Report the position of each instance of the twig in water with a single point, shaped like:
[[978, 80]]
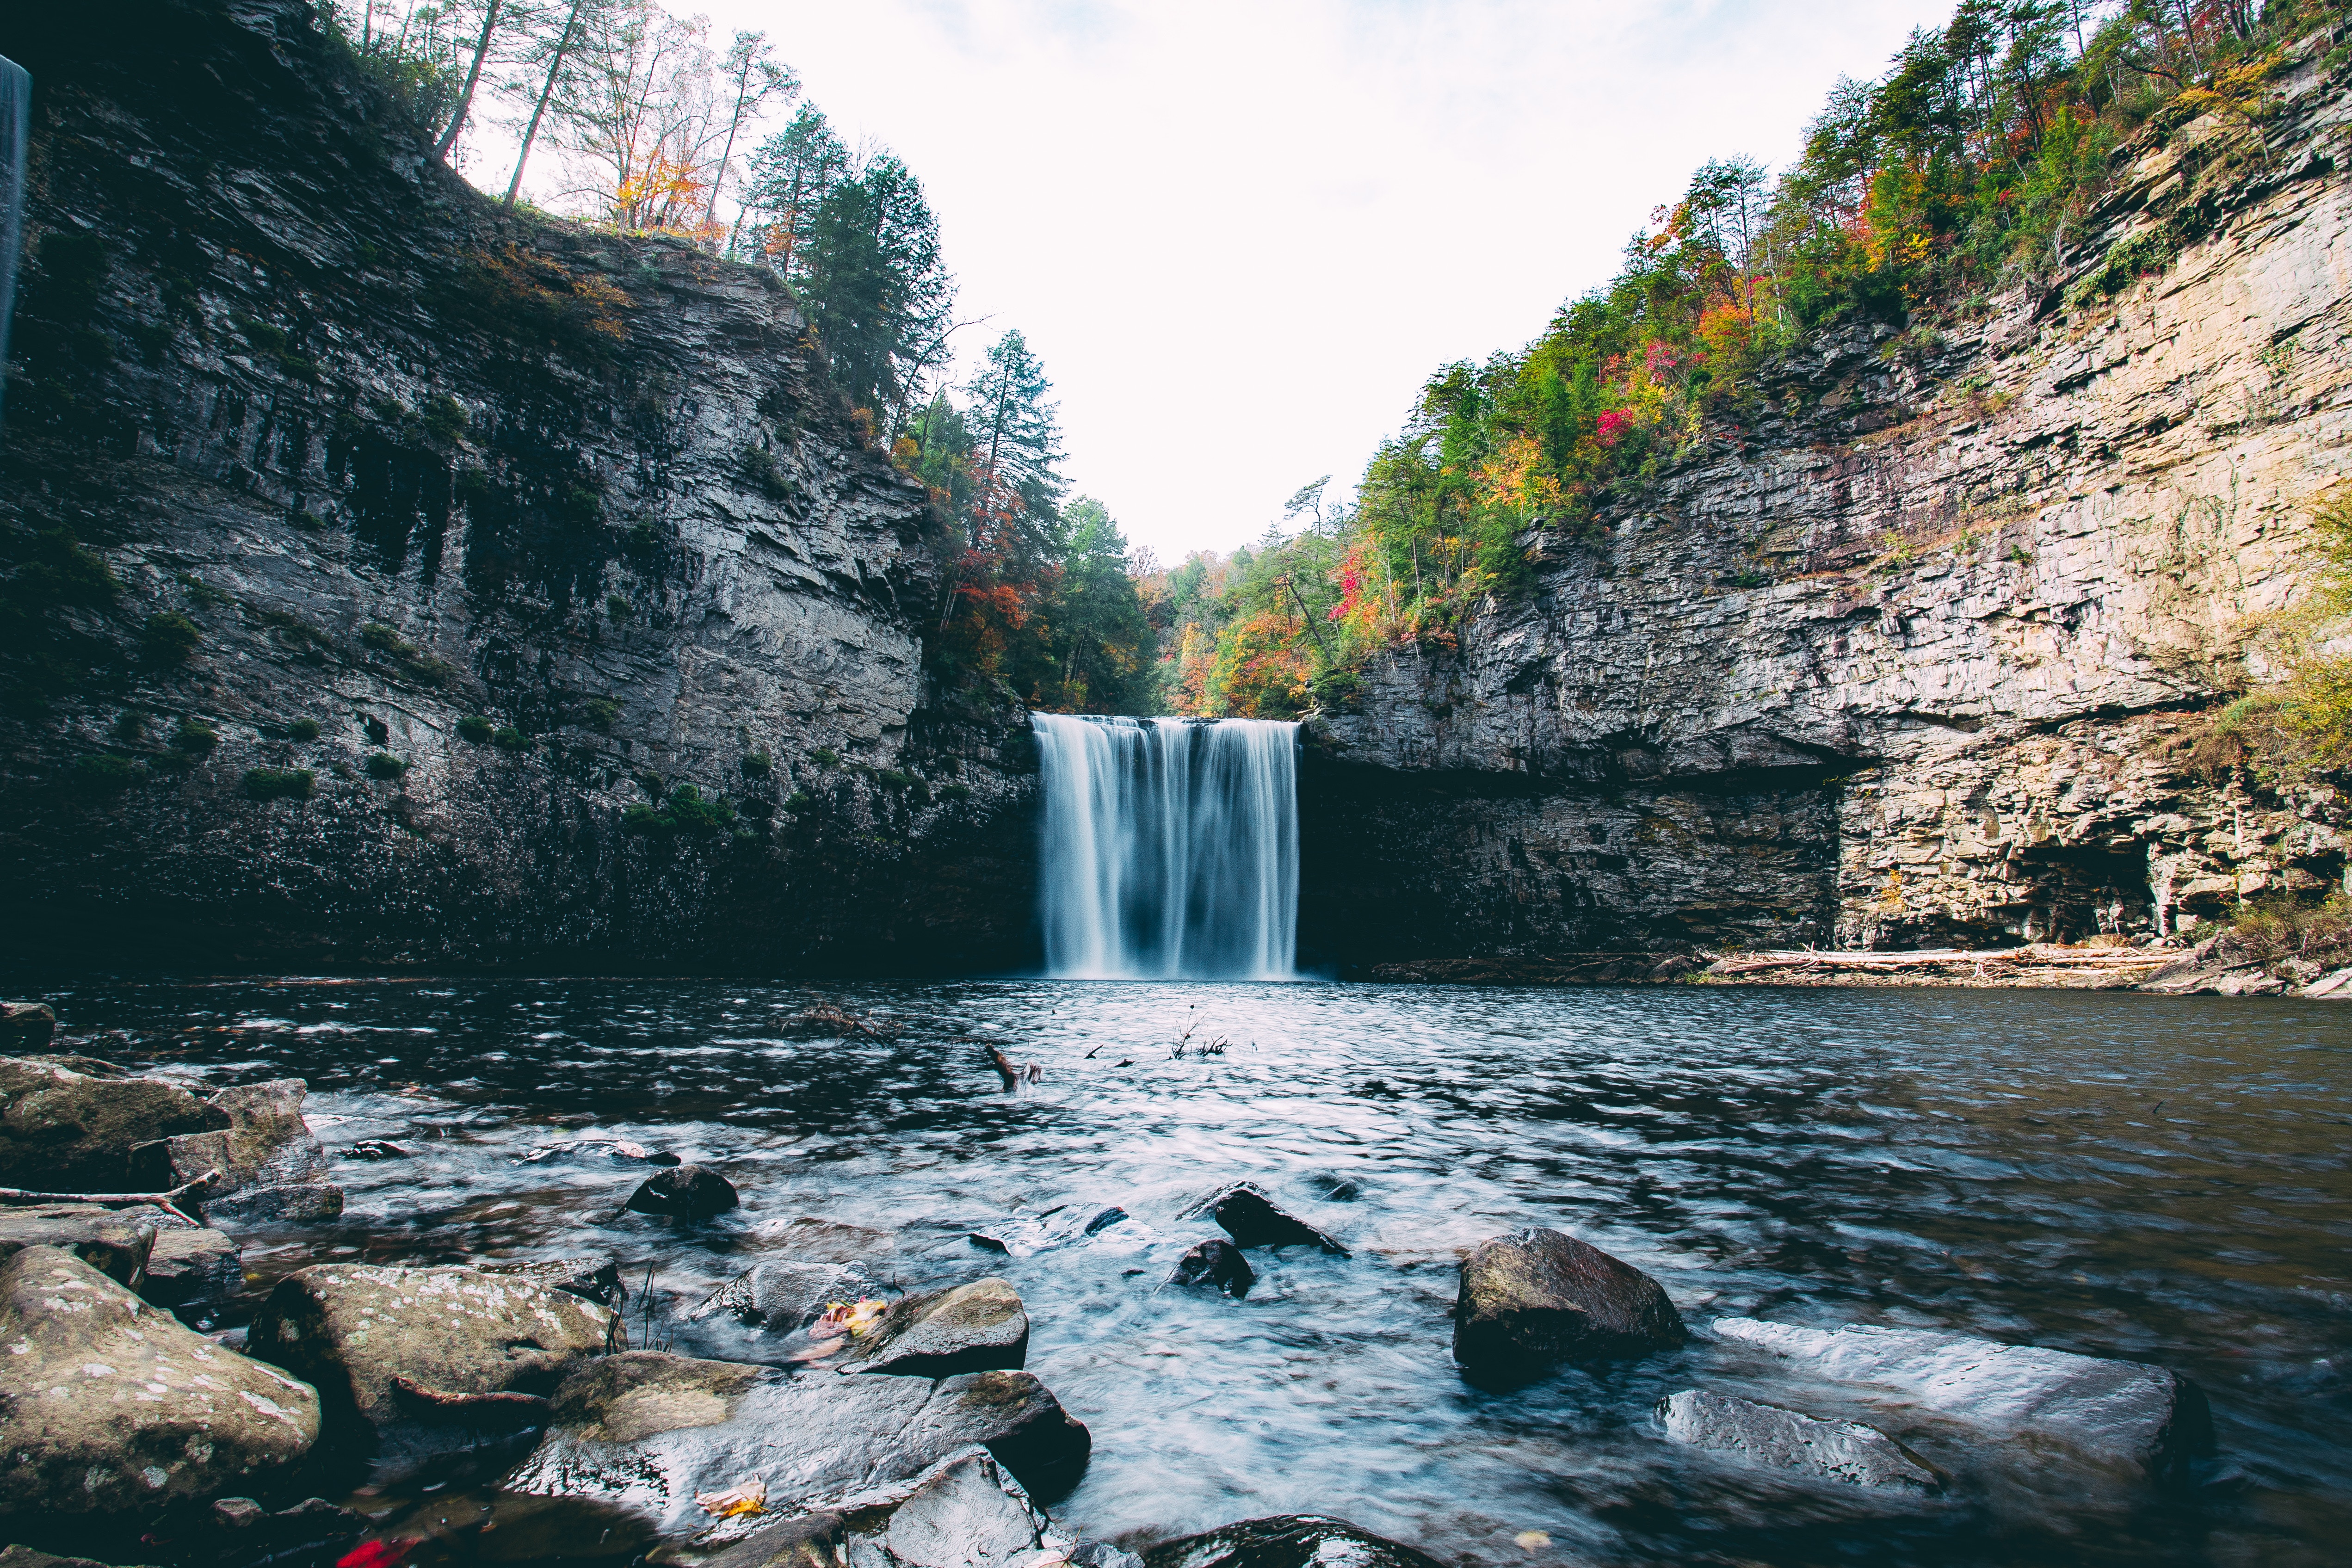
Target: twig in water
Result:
[[168, 1202]]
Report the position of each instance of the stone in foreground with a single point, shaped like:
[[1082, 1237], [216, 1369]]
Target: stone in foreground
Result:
[[27, 1026], [411, 1363], [646, 1431], [193, 1268], [1785, 1439], [269, 1165], [68, 1124], [1533, 1298], [1288, 1540], [979, 1327], [684, 1192], [963, 1512], [1216, 1262], [108, 1403], [115, 1243], [1252, 1220], [2120, 1413]]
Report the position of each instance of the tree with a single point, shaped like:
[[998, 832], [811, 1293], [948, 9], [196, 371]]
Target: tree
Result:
[[1099, 635], [491, 10], [753, 76], [791, 174], [1017, 440], [876, 285], [557, 51]]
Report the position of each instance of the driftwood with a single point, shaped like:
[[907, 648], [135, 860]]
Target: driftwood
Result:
[[1013, 1073], [827, 1019], [17, 1198]]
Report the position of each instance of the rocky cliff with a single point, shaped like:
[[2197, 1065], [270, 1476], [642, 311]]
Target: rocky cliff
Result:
[[371, 549], [1911, 657]]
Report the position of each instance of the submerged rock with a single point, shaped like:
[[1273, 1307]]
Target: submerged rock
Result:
[[1785, 1439], [269, 1165], [810, 1240], [1252, 1220], [786, 1295], [2121, 1413], [646, 1431], [1286, 1540], [684, 1192], [1025, 1235], [963, 1512], [619, 1151], [1216, 1262], [979, 1327], [109, 1404], [414, 1362], [68, 1124], [1532, 1299], [115, 1242], [193, 1268]]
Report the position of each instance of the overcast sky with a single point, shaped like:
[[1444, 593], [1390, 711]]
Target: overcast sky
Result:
[[1241, 235]]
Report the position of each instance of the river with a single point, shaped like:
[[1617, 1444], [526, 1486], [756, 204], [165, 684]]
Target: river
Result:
[[2122, 1175]]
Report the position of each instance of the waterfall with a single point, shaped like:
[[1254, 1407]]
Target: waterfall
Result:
[[15, 129], [1171, 847]]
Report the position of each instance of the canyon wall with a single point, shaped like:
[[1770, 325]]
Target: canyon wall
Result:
[[318, 463], [1917, 654]]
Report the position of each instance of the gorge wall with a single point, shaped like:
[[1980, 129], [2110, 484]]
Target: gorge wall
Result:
[[361, 451], [1914, 655]]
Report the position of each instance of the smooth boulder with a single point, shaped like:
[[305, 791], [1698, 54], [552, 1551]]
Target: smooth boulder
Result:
[[965, 1511], [684, 1192], [1790, 1440], [115, 1242], [1253, 1219], [2120, 1413], [979, 1327], [1216, 1262], [646, 1431], [1288, 1540], [1533, 1298], [786, 1295], [412, 1364], [596, 1280], [108, 1403], [68, 1124], [269, 1165]]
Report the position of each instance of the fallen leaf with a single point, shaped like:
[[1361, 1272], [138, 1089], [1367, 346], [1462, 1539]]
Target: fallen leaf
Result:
[[751, 1497], [846, 1318], [375, 1554], [1532, 1540]]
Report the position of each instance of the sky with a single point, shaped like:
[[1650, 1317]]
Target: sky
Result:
[[1241, 235]]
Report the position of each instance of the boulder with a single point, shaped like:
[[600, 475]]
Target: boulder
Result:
[[1251, 1218], [372, 1149], [270, 1166], [193, 1268], [109, 1404], [645, 1431], [2121, 1413], [27, 1026], [26, 1557], [963, 1512], [116, 1243], [684, 1192], [786, 1295], [1286, 1540], [1216, 1262], [413, 1364], [1532, 1299], [1785, 1439], [596, 1280], [66, 1129], [1026, 1235], [979, 1327]]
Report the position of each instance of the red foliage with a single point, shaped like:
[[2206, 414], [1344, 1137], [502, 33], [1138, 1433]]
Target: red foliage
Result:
[[1612, 424]]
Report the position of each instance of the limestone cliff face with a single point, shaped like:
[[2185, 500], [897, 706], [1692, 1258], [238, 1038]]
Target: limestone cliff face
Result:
[[400, 457], [1907, 658]]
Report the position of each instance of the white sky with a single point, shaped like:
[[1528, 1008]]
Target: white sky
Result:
[[1240, 235]]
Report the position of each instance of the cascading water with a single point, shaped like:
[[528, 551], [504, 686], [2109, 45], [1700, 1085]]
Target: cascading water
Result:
[[16, 119], [1171, 847]]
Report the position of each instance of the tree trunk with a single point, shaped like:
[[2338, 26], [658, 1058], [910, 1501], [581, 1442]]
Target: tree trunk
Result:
[[473, 75], [546, 91]]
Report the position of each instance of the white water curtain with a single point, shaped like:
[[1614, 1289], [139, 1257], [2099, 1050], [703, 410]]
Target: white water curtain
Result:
[[1170, 847]]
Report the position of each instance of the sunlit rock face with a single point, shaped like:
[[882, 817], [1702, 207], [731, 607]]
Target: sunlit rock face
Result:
[[1906, 658], [400, 457]]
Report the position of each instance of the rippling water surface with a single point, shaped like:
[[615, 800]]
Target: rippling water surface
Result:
[[2120, 1176]]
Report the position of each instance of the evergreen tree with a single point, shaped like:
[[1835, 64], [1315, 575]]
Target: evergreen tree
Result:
[[1016, 445], [1100, 637], [792, 172], [875, 285]]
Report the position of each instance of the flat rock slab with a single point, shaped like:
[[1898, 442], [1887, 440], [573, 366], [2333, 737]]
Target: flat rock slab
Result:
[[1785, 1439], [115, 1242], [414, 1362], [108, 1403], [270, 1166], [965, 1511], [1253, 1219], [979, 1327], [68, 1124], [646, 1431], [2113, 1412], [1533, 1298], [1288, 1540]]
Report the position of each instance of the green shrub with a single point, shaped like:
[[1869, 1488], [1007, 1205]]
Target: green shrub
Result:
[[955, 792], [170, 637], [131, 727], [196, 737], [603, 712], [279, 783], [686, 812], [385, 639], [103, 777], [303, 729], [201, 594], [474, 728], [826, 757], [616, 607], [799, 801], [383, 766], [758, 765], [507, 738], [447, 418]]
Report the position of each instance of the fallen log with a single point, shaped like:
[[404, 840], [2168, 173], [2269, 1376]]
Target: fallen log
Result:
[[167, 1202]]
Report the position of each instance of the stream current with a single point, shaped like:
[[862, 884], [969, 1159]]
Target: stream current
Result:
[[2152, 1178]]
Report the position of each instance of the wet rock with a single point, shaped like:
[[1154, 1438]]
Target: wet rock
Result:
[[270, 1166], [26, 1557], [117, 1245], [786, 1295], [1532, 1299], [240, 1532], [27, 1026], [963, 1512], [596, 1280], [2120, 1413], [112, 1406], [1785, 1439], [646, 1431], [378, 1148], [193, 1268], [808, 1240], [687, 1192], [411, 1363], [1216, 1262], [1026, 1235], [1286, 1540], [1251, 1218], [1103, 1555], [619, 1151], [64, 1129], [979, 1327]]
